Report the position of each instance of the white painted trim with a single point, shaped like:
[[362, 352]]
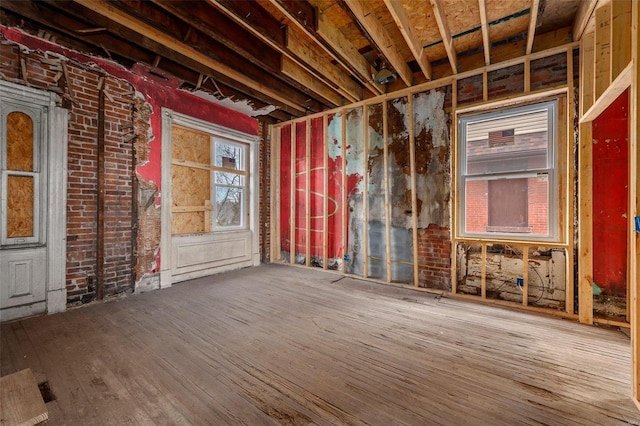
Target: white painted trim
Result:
[[57, 211], [170, 118], [53, 167], [165, 199]]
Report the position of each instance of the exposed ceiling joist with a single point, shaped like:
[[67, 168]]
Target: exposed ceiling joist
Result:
[[338, 42], [381, 38], [533, 22], [486, 44], [585, 10], [307, 59], [345, 53], [109, 11], [321, 67], [399, 15], [445, 33]]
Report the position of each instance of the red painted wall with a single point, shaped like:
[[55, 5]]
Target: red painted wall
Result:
[[158, 92], [610, 202]]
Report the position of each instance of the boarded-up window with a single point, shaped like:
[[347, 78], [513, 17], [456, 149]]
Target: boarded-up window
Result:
[[20, 179], [206, 168]]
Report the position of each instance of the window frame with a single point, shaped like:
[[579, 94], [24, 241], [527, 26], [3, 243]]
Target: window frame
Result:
[[37, 114], [551, 170], [242, 171]]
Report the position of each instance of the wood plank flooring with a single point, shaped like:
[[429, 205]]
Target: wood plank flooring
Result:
[[282, 345]]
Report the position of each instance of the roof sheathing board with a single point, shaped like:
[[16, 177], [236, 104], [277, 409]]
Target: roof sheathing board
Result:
[[421, 17], [557, 14]]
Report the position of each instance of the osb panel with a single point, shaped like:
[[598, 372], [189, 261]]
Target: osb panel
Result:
[[421, 17], [436, 52], [462, 15], [497, 9], [20, 203], [341, 19], [187, 223], [468, 42], [557, 14], [384, 17], [189, 187], [191, 145], [510, 28], [19, 142]]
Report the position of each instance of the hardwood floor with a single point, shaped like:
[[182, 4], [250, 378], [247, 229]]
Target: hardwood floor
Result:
[[282, 345]]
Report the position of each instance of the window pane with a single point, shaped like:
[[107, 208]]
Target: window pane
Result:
[[20, 206], [229, 156], [229, 179], [516, 142], [518, 206], [228, 207], [19, 142]]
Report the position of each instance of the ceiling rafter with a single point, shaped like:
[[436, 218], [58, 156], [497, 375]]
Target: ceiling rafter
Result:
[[107, 10], [338, 42], [533, 22], [255, 51], [486, 44], [585, 10], [308, 60], [445, 33], [346, 54], [401, 18], [381, 39]]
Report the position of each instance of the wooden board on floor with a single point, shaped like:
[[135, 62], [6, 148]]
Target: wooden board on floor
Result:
[[20, 400]]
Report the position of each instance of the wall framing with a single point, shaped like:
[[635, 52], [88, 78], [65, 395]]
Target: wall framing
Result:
[[564, 90]]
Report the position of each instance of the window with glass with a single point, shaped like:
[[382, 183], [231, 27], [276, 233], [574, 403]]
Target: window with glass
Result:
[[507, 172], [209, 182]]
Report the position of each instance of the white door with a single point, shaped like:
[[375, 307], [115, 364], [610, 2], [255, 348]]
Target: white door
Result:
[[23, 201]]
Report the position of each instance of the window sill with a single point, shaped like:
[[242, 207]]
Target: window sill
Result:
[[510, 229]]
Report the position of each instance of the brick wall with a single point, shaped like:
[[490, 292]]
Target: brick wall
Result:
[[434, 257], [78, 88], [265, 193]]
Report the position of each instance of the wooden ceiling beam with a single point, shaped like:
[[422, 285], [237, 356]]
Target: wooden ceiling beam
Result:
[[445, 33], [308, 60], [221, 28], [401, 18], [73, 31], [332, 36], [381, 39], [484, 25], [337, 46], [107, 10], [584, 13], [533, 23]]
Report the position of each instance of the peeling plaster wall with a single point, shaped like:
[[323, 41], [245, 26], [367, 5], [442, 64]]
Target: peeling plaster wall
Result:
[[392, 185], [546, 273], [151, 94]]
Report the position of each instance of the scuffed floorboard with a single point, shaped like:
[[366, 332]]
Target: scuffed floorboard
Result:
[[283, 345]]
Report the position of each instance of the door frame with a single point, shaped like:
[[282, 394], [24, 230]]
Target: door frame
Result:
[[55, 155]]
